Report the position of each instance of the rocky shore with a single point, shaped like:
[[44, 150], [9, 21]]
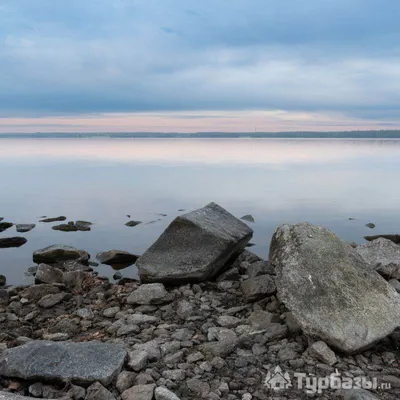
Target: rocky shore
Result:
[[208, 319]]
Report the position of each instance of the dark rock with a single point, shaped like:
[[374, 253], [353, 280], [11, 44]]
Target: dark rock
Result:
[[133, 223], [55, 219], [3, 280], [195, 246], [81, 363], [58, 252], [330, 290], [83, 225], [13, 396], [5, 225], [36, 292], [12, 242], [258, 287], [139, 392], [248, 218], [25, 227], [4, 297], [70, 227], [98, 392], [117, 257], [393, 237], [370, 225]]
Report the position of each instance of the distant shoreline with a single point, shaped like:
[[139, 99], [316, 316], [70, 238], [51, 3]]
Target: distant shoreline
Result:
[[384, 134]]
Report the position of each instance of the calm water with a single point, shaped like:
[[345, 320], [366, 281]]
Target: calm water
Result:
[[321, 181]]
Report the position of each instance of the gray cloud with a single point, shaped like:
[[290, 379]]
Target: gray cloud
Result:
[[125, 56]]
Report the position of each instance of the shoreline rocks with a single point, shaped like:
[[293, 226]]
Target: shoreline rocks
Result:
[[117, 257], [55, 253]]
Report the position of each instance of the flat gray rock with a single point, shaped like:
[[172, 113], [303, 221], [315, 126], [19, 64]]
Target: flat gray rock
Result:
[[12, 396], [194, 247], [58, 252], [24, 227], [151, 293], [81, 363], [382, 255], [48, 274], [330, 290]]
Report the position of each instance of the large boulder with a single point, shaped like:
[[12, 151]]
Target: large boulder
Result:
[[81, 363], [382, 255], [329, 288], [57, 253], [195, 246]]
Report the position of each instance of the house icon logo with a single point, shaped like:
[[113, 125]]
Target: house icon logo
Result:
[[277, 379]]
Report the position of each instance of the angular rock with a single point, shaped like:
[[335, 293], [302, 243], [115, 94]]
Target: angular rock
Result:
[[248, 218], [47, 274], [138, 360], [393, 237], [55, 219], [322, 352], [81, 363], [258, 287], [83, 225], [36, 292], [139, 392], [383, 256], [12, 242], [115, 257], [162, 393], [330, 290], [57, 253], [5, 225], [98, 392], [195, 247], [151, 293], [25, 227], [51, 300]]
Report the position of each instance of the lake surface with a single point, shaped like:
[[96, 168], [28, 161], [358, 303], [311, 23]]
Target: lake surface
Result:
[[325, 182]]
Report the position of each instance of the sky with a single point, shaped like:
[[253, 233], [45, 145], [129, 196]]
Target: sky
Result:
[[190, 65]]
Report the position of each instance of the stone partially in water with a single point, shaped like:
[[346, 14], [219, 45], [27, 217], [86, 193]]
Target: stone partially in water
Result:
[[12, 242], [48, 274], [195, 247], [24, 227], [81, 363], [70, 227], [248, 218], [57, 253], [393, 237], [55, 219], [117, 257], [133, 223], [330, 290], [5, 225], [3, 280]]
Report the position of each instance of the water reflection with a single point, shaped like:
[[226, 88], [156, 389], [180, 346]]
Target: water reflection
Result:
[[104, 180]]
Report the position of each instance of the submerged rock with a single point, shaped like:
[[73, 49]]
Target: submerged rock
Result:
[[58, 252], [133, 223], [195, 246], [117, 257], [330, 290], [5, 225], [81, 363], [370, 225], [25, 227], [12, 242], [54, 219]]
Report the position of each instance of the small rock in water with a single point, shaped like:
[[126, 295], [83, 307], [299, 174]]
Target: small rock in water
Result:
[[351, 218], [1, 219], [70, 227], [12, 242], [117, 257], [25, 227], [248, 217], [392, 237], [55, 219], [83, 225], [133, 223], [3, 280], [370, 225], [117, 276], [5, 225]]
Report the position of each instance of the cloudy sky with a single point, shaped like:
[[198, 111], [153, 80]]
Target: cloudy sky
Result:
[[191, 65]]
